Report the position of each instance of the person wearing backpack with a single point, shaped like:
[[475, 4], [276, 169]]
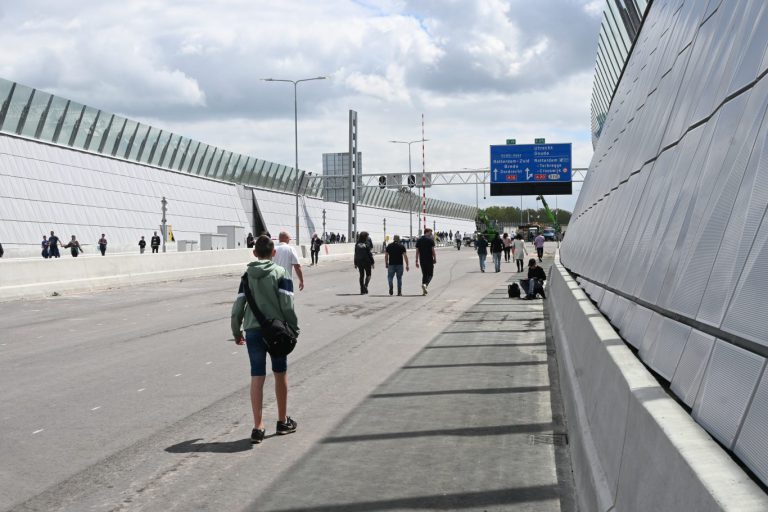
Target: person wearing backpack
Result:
[[272, 291]]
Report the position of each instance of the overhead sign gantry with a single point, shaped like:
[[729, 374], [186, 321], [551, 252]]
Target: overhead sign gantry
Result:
[[531, 169]]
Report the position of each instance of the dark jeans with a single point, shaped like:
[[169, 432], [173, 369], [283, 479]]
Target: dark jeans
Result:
[[506, 253], [540, 252], [103, 249], [532, 287], [53, 252], [427, 269], [154, 248], [365, 277], [314, 254]]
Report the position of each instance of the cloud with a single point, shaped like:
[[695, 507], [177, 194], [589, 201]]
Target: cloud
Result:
[[481, 70]]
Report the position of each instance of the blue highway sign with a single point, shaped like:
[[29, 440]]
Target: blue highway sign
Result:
[[531, 163]]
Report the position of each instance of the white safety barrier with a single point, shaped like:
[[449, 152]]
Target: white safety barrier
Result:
[[633, 448], [35, 278]]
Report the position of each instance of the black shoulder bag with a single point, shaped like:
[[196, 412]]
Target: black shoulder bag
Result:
[[279, 337]]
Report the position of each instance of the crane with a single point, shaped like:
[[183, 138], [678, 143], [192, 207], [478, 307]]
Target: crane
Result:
[[550, 215]]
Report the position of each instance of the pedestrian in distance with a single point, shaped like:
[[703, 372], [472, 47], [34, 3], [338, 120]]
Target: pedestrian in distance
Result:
[[286, 257], [497, 247], [538, 242], [53, 246], [314, 248], [249, 241], [74, 247], [2, 251], [142, 245], [426, 259], [272, 290], [520, 251], [481, 246], [507, 241], [154, 242], [393, 261], [458, 241], [535, 283], [364, 262], [103, 244], [44, 247]]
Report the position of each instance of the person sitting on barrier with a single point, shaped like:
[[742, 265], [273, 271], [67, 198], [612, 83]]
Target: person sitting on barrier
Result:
[[535, 282]]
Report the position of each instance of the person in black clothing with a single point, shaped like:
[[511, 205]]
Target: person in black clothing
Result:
[[314, 249], [393, 261], [535, 282], [142, 245], [53, 246], [481, 246], [363, 261], [103, 244], [249, 241], [426, 258], [1, 251], [154, 242], [497, 247]]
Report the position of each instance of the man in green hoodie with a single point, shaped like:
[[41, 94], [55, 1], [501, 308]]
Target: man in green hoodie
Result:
[[272, 290]]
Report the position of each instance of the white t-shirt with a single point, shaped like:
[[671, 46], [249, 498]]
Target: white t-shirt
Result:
[[285, 256]]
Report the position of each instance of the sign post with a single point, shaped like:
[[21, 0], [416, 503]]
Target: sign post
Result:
[[531, 169]]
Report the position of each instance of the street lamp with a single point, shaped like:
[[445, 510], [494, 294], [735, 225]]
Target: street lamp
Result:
[[296, 136], [410, 199]]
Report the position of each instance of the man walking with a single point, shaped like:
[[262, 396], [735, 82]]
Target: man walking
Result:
[[53, 246], [481, 246], [538, 242], [393, 261], [142, 245], [426, 258], [286, 257], [272, 291], [458, 241], [103, 244], [497, 247], [535, 282], [154, 242]]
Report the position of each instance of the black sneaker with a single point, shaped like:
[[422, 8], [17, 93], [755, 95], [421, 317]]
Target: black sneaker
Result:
[[286, 427], [390, 290], [257, 436]]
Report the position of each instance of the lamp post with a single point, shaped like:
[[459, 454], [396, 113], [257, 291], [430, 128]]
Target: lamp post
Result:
[[296, 136], [410, 201], [324, 225]]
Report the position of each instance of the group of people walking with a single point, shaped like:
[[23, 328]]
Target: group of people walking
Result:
[[510, 247], [50, 245]]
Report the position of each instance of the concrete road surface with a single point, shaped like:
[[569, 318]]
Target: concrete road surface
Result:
[[137, 399]]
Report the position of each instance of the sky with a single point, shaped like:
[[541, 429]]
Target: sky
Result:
[[479, 71]]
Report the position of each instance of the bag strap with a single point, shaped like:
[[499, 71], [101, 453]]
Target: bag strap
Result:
[[251, 302]]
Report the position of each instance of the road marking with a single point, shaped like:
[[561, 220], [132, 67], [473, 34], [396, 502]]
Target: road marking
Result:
[[99, 324], [96, 408], [140, 390], [177, 375], [209, 362], [37, 431], [233, 353]]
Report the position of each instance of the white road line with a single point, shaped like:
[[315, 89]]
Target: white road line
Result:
[[96, 408], [140, 390], [177, 375], [209, 362], [37, 431], [233, 353]]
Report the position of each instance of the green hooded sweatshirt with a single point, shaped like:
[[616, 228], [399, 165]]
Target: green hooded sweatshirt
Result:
[[272, 289]]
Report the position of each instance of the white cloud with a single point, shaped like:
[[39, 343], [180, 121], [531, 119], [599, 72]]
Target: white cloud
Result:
[[480, 70]]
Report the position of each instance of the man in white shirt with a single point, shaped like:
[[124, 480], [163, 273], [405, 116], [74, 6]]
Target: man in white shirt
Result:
[[285, 256]]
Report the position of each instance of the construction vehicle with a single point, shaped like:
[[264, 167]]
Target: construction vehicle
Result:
[[550, 215]]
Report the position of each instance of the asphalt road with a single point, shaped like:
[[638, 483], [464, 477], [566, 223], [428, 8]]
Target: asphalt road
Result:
[[136, 398]]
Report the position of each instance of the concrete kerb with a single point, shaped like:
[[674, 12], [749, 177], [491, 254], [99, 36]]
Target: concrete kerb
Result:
[[632, 446]]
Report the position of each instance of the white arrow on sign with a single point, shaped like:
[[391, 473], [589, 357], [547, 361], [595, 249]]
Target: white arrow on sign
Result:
[[494, 174], [527, 174]]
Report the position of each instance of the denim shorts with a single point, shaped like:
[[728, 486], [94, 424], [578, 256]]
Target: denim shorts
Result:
[[257, 353]]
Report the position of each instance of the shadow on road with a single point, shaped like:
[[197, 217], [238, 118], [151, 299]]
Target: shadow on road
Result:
[[192, 446]]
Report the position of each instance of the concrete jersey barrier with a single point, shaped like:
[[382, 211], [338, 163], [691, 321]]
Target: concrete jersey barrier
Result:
[[633, 447]]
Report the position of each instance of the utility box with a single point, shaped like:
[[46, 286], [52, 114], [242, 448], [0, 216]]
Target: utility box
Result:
[[235, 236], [212, 242], [186, 245]]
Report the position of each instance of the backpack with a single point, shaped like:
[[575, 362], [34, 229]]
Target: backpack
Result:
[[514, 291], [279, 337]]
